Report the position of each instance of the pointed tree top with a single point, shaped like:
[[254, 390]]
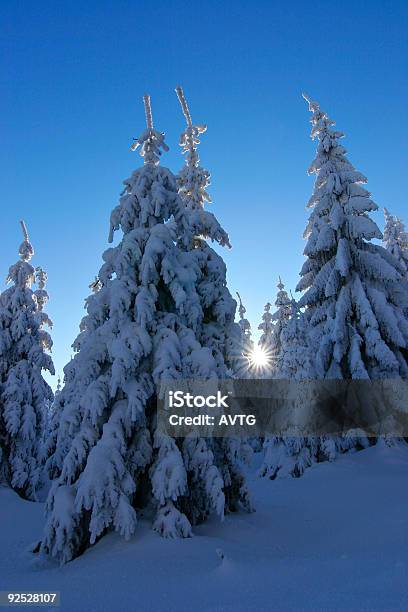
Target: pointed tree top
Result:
[[313, 106], [184, 105], [150, 141], [25, 232], [190, 137], [199, 129], [320, 120], [148, 111], [280, 285], [242, 309], [26, 250], [306, 96]]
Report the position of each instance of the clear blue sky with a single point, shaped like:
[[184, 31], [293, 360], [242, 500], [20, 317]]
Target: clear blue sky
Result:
[[72, 76]]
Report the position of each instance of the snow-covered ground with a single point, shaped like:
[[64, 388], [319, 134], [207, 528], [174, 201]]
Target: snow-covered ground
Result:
[[335, 539]]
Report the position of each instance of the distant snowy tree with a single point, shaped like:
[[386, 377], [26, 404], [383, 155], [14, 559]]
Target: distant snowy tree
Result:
[[25, 396], [160, 311], [280, 319], [244, 363], [292, 452], [263, 352], [266, 326], [354, 292], [243, 366], [294, 361], [396, 240]]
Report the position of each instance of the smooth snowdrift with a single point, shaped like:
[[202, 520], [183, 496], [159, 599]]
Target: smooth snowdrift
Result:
[[335, 539]]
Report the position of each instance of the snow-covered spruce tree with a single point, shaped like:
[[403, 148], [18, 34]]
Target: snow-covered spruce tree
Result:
[[294, 361], [280, 319], [25, 396], [291, 453], [354, 294], [266, 326], [264, 349], [151, 317], [242, 365], [396, 240]]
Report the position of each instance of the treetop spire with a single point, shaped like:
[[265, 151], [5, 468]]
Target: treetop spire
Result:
[[184, 105], [193, 180], [150, 141], [148, 111], [241, 309], [25, 232], [190, 137], [308, 99], [25, 250], [321, 123], [313, 105]]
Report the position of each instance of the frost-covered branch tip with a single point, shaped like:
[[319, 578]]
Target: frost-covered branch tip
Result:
[[321, 123], [148, 111], [26, 251], [190, 137], [313, 106], [25, 232], [150, 141], [191, 129], [184, 105], [241, 309]]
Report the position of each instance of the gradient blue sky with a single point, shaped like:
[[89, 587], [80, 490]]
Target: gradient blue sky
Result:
[[72, 77]]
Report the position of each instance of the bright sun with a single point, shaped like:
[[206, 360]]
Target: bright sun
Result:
[[259, 358]]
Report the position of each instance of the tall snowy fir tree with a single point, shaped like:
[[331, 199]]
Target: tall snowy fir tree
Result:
[[354, 295], [25, 397], [396, 240], [353, 292], [160, 311]]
